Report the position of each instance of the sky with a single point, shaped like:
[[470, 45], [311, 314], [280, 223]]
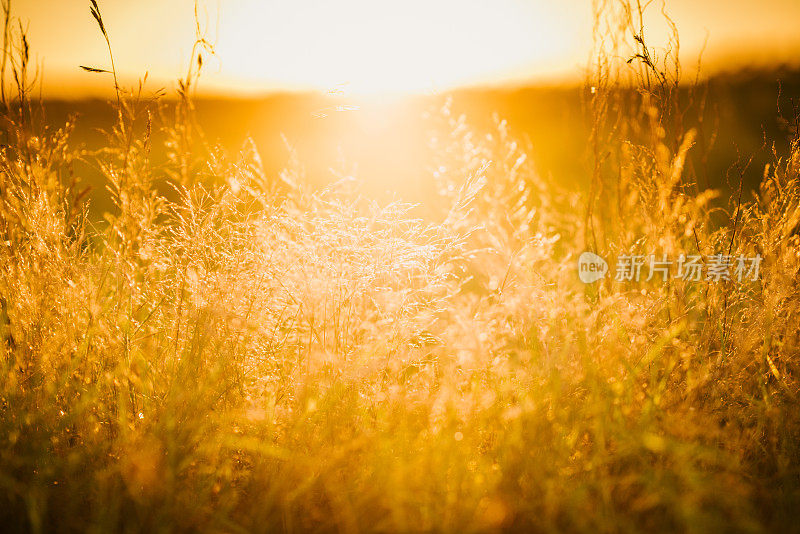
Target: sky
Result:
[[374, 46]]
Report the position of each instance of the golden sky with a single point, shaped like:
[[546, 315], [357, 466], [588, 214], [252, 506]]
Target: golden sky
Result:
[[366, 46]]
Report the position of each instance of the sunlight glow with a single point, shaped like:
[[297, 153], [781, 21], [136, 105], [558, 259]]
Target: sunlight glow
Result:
[[375, 47]]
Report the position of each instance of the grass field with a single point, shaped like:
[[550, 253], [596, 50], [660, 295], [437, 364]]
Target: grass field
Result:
[[235, 350]]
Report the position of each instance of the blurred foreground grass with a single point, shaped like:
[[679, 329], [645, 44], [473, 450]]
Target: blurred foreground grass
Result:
[[253, 354]]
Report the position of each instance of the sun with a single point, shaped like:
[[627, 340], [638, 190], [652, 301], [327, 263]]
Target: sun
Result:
[[388, 47]]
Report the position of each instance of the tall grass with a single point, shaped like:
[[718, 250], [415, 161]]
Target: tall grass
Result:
[[252, 355]]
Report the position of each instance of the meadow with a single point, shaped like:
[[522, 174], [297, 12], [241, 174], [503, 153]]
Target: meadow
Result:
[[227, 348]]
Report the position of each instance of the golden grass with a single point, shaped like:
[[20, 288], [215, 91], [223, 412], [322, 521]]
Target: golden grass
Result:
[[255, 356]]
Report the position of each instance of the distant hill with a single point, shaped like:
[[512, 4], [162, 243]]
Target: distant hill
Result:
[[385, 143]]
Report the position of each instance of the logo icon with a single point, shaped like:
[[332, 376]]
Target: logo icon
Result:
[[591, 267]]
